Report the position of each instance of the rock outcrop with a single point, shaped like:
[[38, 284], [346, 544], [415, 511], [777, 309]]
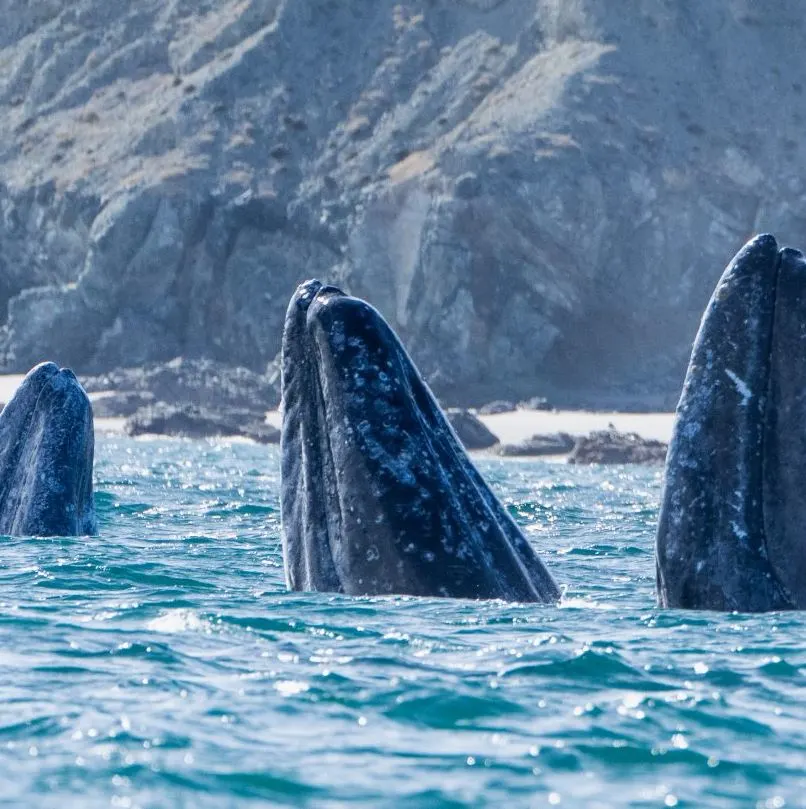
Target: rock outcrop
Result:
[[192, 421], [537, 445], [121, 405], [497, 406], [470, 429], [610, 446], [537, 194]]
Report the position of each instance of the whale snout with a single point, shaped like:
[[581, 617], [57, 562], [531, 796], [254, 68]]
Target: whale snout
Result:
[[68, 375], [305, 293], [309, 291]]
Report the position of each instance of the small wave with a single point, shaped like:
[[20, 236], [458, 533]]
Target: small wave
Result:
[[180, 620], [584, 604]]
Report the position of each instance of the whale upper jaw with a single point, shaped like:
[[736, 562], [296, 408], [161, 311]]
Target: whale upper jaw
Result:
[[378, 496], [732, 522], [46, 457]]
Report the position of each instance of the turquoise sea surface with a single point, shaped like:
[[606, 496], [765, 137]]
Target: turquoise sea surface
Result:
[[163, 663]]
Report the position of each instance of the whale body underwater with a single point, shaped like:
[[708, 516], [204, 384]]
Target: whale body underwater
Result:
[[46, 457], [732, 526], [378, 496]]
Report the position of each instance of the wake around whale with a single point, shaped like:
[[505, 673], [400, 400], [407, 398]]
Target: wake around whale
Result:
[[732, 529], [378, 496], [46, 457]]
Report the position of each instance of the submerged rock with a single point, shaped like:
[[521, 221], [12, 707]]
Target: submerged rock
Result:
[[192, 421], [471, 430], [549, 444], [611, 446]]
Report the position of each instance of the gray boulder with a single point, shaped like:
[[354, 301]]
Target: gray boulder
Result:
[[192, 421], [471, 430], [535, 403], [498, 406], [549, 444], [125, 403], [610, 446]]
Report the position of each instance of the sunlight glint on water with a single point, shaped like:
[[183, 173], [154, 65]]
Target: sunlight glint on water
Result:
[[163, 664]]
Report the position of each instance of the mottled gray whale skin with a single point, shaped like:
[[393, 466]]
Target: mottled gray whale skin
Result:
[[732, 528], [378, 496], [46, 456]]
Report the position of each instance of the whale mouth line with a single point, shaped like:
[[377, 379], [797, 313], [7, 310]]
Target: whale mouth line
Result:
[[327, 466]]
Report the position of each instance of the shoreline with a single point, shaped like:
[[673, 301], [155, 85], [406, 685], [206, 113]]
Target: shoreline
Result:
[[513, 427], [518, 426]]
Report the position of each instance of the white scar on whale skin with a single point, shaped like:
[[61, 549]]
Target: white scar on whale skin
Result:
[[741, 387]]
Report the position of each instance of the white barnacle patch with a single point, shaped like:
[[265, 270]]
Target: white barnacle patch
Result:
[[337, 335], [741, 387], [738, 530], [691, 429]]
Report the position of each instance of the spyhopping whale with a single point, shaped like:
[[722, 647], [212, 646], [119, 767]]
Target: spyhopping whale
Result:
[[732, 529], [377, 495], [46, 455]]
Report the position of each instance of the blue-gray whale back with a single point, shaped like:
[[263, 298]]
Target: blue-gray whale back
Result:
[[378, 495], [46, 457], [732, 528]]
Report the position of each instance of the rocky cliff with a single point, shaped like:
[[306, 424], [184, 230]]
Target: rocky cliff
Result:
[[538, 194]]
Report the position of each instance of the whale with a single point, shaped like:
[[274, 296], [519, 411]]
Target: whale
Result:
[[732, 524], [46, 457], [378, 497]]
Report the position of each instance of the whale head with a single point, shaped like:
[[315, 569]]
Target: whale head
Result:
[[378, 495], [46, 457], [733, 512]]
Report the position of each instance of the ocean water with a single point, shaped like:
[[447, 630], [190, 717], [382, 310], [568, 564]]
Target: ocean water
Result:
[[163, 664]]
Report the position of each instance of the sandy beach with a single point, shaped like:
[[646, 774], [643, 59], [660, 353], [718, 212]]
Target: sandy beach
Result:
[[510, 428], [520, 425]]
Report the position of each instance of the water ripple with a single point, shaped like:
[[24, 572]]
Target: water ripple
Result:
[[163, 664]]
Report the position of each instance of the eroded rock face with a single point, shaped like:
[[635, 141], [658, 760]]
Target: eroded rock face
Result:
[[534, 193]]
